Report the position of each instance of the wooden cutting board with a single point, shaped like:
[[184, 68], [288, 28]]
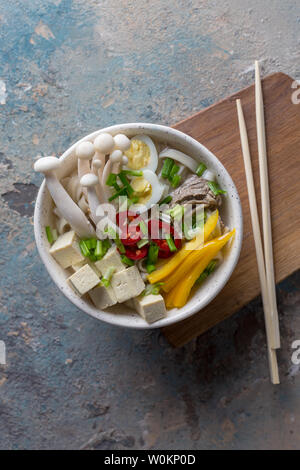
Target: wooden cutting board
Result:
[[217, 128]]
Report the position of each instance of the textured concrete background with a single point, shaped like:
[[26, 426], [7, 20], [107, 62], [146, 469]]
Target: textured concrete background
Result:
[[67, 68]]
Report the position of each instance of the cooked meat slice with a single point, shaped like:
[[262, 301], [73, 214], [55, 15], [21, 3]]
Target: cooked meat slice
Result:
[[195, 190]]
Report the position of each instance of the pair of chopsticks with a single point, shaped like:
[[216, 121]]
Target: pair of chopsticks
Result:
[[264, 256]]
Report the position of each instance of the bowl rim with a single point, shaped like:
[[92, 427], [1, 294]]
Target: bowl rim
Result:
[[168, 320]]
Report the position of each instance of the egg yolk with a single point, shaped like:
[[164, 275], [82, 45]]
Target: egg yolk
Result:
[[138, 155], [142, 188]]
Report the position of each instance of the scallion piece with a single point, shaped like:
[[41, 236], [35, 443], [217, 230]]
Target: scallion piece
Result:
[[119, 244], [171, 243], [132, 172], [107, 276], [173, 172], [207, 271], [49, 234], [143, 227], [99, 250], [153, 289], [112, 179], [166, 200], [150, 268], [201, 169], [126, 183], [175, 181], [121, 192], [215, 188], [152, 258], [142, 242], [177, 212], [167, 167], [127, 261], [84, 248]]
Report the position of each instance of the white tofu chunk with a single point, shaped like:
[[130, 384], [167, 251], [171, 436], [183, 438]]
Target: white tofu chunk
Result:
[[150, 307], [65, 250], [77, 266], [111, 259], [84, 280], [103, 297], [127, 284]]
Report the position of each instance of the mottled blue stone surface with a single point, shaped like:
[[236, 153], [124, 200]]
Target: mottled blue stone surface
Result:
[[67, 68]]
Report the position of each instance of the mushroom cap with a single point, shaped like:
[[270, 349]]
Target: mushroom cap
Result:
[[85, 150], [122, 142], [104, 143], [124, 160], [45, 164], [116, 156], [89, 180], [97, 163]]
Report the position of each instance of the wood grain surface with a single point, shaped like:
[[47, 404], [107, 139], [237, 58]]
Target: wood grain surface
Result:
[[217, 128]]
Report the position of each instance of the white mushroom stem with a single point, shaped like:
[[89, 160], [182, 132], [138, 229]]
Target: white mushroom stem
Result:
[[97, 167], [64, 203], [106, 171], [89, 181], [85, 152]]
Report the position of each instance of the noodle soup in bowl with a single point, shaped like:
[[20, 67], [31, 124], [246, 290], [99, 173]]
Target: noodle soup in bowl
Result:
[[208, 286]]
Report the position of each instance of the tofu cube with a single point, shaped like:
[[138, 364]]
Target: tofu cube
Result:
[[77, 266], [150, 307], [127, 284], [103, 297], [111, 259], [66, 251], [84, 280]]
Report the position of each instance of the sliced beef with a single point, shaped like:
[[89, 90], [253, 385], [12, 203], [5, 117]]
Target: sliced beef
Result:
[[195, 190]]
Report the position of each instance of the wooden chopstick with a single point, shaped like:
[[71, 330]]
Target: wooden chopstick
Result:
[[265, 201], [270, 327]]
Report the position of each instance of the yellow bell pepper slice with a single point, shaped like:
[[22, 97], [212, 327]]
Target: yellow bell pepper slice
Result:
[[169, 298], [185, 251], [186, 266], [184, 288]]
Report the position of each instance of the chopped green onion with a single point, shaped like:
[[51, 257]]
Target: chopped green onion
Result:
[[173, 172], [121, 192], [152, 289], [99, 250], [84, 248], [93, 243], [167, 167], [54, 234], [152, 254], [142, 243], [201, 169], [112, 179], [177, 212], [93, 257], [175, 181], [127, 261], [150, 268], [132, 172], [207, 271], [88, 243], [125, 182], [171, 243], [143, 227], [107, 276], [166, 200], [49, 234], [215, 188]]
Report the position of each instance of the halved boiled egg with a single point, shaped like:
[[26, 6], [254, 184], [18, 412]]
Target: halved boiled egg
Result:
[[148, 189], [142, 154]]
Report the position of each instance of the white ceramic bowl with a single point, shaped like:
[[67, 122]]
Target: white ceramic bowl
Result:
[[231, 215]]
